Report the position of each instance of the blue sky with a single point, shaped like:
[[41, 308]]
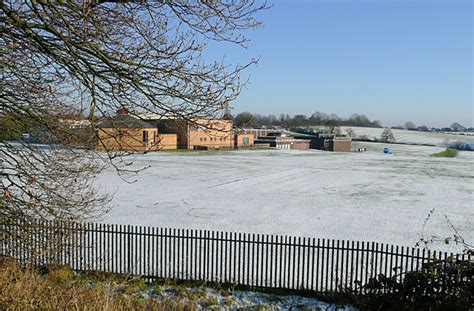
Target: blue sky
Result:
[[393, 60]]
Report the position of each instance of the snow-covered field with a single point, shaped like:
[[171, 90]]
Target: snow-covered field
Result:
[[412, 137], [369, 196]]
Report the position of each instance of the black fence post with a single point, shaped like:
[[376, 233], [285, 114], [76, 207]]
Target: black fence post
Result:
[[129, 249]]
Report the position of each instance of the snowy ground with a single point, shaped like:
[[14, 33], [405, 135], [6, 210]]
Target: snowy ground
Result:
[[212, 299], [368, 196], [412, 137]]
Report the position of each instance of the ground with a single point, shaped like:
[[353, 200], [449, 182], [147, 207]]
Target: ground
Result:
[[59, 288], [412, 137], [367, 196]]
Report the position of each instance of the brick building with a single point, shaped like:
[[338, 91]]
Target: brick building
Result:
[[283, 141], [327, 141], [243, 140], [340, 144], [126, 133], [198, 134], [156, 132]]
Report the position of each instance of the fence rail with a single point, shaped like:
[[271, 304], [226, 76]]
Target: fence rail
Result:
[[256, 260]]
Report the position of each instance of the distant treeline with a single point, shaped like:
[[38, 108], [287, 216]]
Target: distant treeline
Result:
[[247, 119]]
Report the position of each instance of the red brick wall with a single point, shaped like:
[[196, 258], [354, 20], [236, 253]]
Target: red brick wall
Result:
[[342, 145]]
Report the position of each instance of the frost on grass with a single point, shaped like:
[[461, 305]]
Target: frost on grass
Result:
[[369, 196]]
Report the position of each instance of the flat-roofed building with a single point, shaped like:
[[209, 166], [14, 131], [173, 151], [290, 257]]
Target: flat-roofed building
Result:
[[282, 141], [195, 134], [243, 140], [340, 144], [126, 133]]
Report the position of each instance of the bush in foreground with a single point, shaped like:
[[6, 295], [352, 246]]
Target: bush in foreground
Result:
[[438, 285], [448, 153]]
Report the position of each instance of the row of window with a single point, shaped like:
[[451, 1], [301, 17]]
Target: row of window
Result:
[[146, 136], [213, 138]]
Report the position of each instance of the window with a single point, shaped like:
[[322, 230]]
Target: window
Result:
[[326, 144], [245, 140], [154, 137], [145, 138], [200, 139], [205, 139]]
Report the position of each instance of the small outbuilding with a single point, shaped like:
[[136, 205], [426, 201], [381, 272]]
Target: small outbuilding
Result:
[[243, 140], [340, 144]]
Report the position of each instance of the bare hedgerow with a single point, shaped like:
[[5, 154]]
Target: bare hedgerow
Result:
[[64, 60]]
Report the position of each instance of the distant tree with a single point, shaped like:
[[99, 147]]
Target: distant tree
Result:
[[317, 118], [361, 121], [330, 125], [285, 120], [409, 125], [398, 127], [423, 128], [258, 120], [243, 119], [350, 132], [299, 120], [264, 120], [457, 127], [273, 119], [387, 136]]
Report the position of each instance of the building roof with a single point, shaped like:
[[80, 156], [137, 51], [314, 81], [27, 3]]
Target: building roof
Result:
[[123, 121], [155, 116], [169, 117], [300, 135]]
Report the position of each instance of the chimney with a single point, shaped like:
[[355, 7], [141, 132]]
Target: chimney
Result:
[[122, 111]]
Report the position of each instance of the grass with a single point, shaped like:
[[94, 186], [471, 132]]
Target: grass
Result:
[[181, 150], [222, 149], [448, 153], [60, 289]]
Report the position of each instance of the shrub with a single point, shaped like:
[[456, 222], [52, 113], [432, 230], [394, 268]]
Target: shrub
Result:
[[448, 153], [438, 285], [59, 289], [60, 275]]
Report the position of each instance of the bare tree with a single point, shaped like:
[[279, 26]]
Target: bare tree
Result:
[[387, 136], [350, 132], [94, 57]]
